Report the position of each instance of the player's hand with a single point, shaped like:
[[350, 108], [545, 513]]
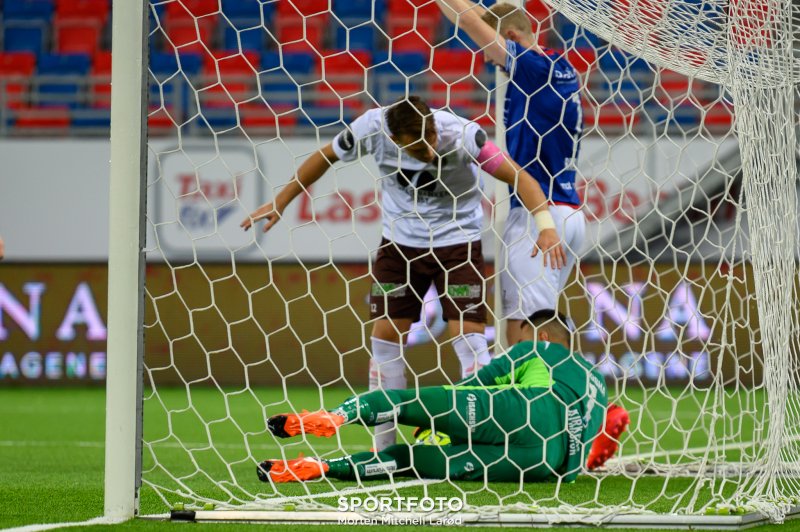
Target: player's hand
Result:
[[268, 212], [550, 245]]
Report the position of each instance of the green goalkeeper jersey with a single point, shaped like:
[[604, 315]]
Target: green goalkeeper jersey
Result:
[[571, 378]]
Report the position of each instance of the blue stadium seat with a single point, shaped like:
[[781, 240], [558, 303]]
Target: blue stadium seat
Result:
[[28, 10], [360, 37], [459, 39], [244, 39], [293, 62], [24, 36], [164, 66], [359, 9], [279, 88], [249, 10], [61, 79], [91, 118], [390, 74]]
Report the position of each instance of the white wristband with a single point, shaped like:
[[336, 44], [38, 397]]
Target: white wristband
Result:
[[544, 220]]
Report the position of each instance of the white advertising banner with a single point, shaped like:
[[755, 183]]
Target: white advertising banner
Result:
[[54, 197]]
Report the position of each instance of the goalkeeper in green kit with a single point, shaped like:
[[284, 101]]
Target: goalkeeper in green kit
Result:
[[531, 414]]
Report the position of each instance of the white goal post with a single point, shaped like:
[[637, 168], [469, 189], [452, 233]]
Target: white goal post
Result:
[[687, 302]]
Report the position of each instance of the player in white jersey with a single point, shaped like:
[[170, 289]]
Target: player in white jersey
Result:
[[432, 218]]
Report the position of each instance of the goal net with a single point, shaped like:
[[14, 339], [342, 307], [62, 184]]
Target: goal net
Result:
[[684, 295]]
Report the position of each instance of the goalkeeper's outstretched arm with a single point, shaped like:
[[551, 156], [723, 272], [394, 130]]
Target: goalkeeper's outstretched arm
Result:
[[309, 172]]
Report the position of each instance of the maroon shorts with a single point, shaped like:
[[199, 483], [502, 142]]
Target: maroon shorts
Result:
[[402, 276]]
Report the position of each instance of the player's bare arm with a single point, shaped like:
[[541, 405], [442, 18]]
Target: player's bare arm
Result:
[[309, 172], [533, 198], [467, 16]]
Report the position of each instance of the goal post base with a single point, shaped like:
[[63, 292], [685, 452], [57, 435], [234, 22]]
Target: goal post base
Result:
[[684, 522]]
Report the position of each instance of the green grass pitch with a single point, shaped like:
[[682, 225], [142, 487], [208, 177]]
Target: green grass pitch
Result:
[[51, 450]]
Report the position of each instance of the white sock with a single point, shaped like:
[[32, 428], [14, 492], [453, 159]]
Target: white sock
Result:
[[472, 351], [387, 371]]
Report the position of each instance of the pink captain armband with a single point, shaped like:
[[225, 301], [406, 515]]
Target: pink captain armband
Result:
[[491, 157]]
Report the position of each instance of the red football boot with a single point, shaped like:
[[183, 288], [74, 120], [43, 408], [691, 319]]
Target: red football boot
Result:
[[607, 440], [322, 423], [298, 470]]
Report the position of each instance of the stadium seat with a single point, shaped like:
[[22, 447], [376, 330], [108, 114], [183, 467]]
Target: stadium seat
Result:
[[251, 38], [77, 36], [101, 80], [390, 73], [24, 36], [49, 119], [359, 9], [190, 24], [193, 8], [343, 76], [280, 85], [302, 8], [298, 35], [164, 68], [248, 10], [363, 37], [16, 69], [718, 116], [62, 79], [259, 115], [231, 78], [94, 10], [583, 59], [27, 10], [456, 63], [415, 9]]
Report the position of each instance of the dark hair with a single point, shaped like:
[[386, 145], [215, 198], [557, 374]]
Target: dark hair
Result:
[[411, 117], [552, 319]]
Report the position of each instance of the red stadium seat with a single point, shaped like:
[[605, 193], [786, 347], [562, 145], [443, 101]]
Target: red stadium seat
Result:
[[419, 9], [159, 121], [193, 8], [232, 78], [101, 80], [96, 10], [343, 78], [304, 8], [260, 115], [301, 36], [718, 115], [583, 59], [455, 63], [537, 9], [49, 118], [189, 24], [189, 37], [673, 85], [77, 36], [16, 69]]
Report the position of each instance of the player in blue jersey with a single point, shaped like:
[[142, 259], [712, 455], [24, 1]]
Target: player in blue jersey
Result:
[[543, 121]]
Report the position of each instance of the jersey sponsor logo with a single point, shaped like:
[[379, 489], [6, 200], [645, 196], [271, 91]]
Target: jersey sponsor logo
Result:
[[382, 468], [574, 430], [472, 417], [422, 184], [464, 291], [388, 289], [564, 75], [382, 417], [346, 141]]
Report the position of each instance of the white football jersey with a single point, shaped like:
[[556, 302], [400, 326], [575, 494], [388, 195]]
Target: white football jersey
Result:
[[424, 205]]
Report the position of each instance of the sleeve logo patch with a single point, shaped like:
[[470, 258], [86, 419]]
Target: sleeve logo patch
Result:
[[346, 141]]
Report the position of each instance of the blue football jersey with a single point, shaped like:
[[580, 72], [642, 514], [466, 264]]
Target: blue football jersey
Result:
[[544, 120]]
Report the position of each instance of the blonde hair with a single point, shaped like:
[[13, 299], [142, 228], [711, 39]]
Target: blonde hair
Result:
[[504, 17]]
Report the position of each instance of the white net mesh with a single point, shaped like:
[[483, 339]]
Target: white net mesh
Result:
[[684, 295]]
